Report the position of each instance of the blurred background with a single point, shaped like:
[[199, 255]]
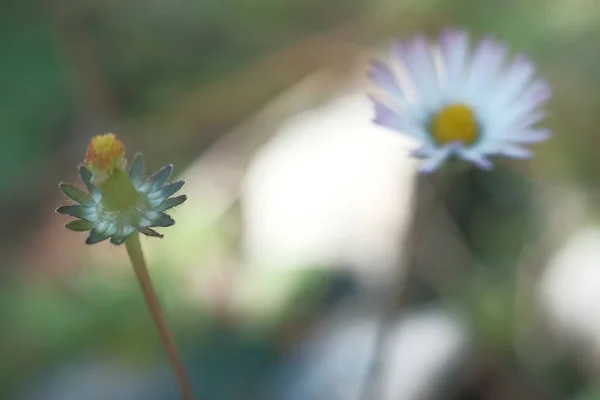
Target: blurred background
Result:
[[310, 261]]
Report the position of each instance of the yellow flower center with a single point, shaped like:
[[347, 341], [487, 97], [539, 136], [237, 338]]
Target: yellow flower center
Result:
[[105, 154], [455, 123]]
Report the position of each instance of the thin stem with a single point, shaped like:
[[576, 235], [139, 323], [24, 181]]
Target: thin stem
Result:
[[134, 249], [371, 387]]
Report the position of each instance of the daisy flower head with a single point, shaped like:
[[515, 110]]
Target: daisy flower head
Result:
[[119, 201], [460, 102]]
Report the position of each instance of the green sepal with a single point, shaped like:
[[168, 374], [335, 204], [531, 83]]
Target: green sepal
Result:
[[80, 225], [86, 177], [136, 170], [76, 194], [118, 240], [172, 202], [74, 211], [163, 220], [150, 232], [96, 236], [171, 189], [157, 180]]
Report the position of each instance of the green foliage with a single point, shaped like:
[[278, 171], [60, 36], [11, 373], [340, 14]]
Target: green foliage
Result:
[[34, 98]]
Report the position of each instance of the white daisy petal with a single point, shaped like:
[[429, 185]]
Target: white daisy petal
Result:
[[418, 59], [528, 136], [436, 158], [423, 151], [475, 158], [513, 151], [487, 60], [454, 46], [521, 112], [514, 81], [389, 118], [531, 119], [383, 76], [534, 96]]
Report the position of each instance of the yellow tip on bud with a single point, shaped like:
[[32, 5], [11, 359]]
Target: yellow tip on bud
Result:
[[105, 154]]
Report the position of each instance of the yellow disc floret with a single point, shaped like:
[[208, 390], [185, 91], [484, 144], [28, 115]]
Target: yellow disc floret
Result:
[[455, 123], [105, 154]]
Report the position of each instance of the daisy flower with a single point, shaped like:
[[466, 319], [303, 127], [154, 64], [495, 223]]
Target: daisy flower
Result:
[[119, 201], [471, 104]]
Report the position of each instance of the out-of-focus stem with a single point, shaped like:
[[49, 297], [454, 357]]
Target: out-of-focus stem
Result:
[[372, 388]]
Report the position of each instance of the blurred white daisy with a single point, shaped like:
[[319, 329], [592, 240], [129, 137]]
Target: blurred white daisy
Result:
[[460, 103]]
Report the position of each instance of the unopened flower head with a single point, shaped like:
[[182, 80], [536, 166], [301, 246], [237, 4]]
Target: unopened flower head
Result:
[[118, 201], [104, 155], [458, 102]]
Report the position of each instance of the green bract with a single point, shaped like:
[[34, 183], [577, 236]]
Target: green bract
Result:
[[125, 202]]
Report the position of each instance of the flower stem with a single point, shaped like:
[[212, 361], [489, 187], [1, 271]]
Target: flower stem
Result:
[[372, 385], [134, 250]]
